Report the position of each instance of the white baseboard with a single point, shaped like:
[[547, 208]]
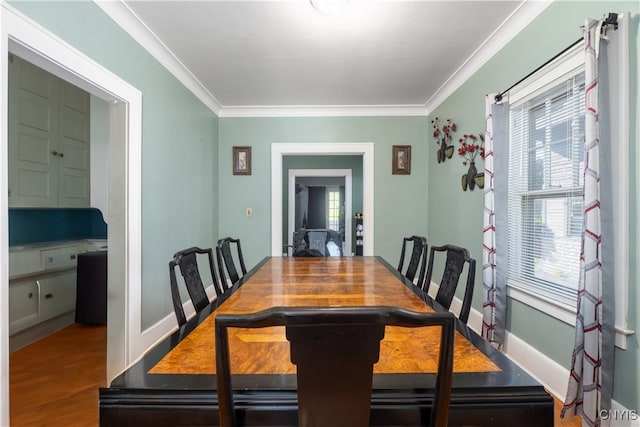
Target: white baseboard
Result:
[[553, 376], [166, 326], [41, 330], [545, 370]]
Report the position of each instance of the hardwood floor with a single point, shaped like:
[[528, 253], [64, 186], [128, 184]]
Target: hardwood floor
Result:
[[564, 422], [55, 381]]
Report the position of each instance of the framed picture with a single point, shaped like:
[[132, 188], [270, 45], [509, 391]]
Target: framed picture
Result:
[[401, 160], [242, 160]]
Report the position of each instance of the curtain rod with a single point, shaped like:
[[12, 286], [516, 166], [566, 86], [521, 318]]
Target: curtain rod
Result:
[[611, 19], [499, 96]]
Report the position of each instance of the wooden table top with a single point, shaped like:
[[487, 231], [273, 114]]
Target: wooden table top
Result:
[[339, 281]]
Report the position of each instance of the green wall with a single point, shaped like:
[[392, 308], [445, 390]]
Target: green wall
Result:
[[179, 144], [322, 162], [457, 215], [187, 200], [400, 201]]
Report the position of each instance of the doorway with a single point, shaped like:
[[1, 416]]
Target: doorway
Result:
[[280, 150], [28, 40], [323, 180]]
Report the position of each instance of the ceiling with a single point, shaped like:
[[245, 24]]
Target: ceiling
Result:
[[286, 55]]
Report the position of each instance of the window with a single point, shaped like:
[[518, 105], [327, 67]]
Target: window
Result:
[[546, 163], [334, 209]]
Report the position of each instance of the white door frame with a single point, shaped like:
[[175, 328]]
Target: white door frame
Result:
[[26, 38], [365, 149], [344, 173]]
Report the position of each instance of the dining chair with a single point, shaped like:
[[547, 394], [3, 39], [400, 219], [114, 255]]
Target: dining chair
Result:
[[187, 261], [297, 242], [317, 242], [417, 259], [456, 259], [334, 350], [226, 261]]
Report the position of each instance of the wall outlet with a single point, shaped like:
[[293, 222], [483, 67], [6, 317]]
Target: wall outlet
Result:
[[249, 212]]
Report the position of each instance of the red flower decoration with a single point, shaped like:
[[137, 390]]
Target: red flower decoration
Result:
[[444, 132], [470, 146]]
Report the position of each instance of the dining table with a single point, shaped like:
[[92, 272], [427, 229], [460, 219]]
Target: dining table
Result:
[[175, 382]]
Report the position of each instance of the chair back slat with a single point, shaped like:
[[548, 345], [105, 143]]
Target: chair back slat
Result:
[[187, 262], [334, 350], [456, 258], [227, 263], [418, 259]]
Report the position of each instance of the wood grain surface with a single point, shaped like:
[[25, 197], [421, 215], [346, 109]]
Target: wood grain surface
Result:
[[325, 282]]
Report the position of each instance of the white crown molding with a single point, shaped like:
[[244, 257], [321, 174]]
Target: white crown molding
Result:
[[526, 12], [129, 21], [323, 111], [133, 25]]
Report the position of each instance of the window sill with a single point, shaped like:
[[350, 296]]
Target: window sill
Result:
[[546, 305], [560, 311]]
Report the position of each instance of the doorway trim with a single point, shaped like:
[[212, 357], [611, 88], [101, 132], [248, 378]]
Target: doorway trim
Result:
[[26, 38], [365, 149], [348, 203]]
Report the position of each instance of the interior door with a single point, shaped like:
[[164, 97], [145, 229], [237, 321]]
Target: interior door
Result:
[[317, 207]]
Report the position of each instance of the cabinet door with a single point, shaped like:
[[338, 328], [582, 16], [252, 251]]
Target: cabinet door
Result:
[[23, 305], [73, 171], [33, 129], [57, 295], [49, 163]]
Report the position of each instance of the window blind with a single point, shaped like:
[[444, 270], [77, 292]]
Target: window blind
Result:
[[546, 182]]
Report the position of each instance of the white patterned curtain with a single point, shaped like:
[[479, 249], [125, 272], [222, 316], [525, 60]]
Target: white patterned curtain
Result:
[[590, 381], [494, 284]]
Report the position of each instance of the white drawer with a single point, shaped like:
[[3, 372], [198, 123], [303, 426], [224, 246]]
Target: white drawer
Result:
[[23, 305], [24, 262], [61, 257], [57, 295]]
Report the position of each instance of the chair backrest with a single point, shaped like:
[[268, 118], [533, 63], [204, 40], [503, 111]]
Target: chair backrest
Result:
[[317, 242], [454, 265], [418, 259], [226, 262], [187, 261], [334, 350]]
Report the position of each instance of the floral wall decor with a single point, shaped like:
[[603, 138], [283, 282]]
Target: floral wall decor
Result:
[[470, 147], [443, 135]]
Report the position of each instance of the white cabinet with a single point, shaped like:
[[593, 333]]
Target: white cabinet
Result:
[[57, 295], [23, 305], [49, 163], [60, 257], [25, 261], [42, 283]]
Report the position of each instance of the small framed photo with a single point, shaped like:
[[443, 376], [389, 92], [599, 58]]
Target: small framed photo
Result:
[[242, 160], [401, 160]]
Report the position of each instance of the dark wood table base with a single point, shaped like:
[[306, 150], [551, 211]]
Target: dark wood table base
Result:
[[279, 408], [145, 395]]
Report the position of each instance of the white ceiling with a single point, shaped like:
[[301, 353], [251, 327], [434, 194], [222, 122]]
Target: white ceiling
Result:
[[252, 56]]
